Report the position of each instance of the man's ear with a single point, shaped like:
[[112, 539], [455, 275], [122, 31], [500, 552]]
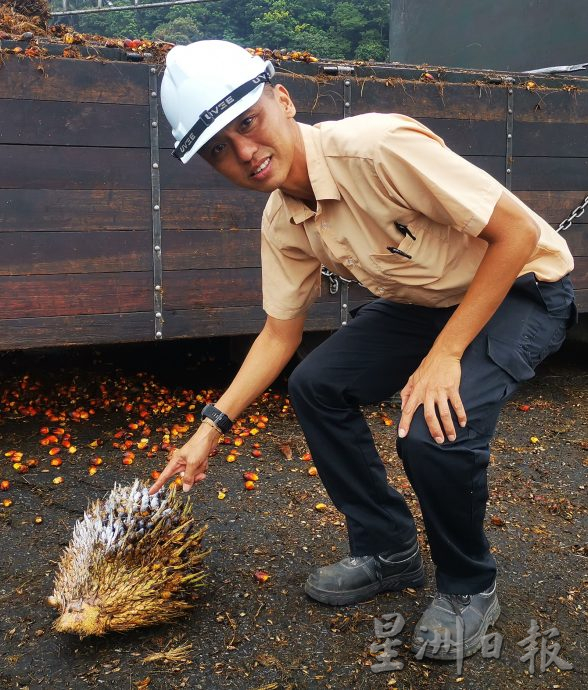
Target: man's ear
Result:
[[283, 98]]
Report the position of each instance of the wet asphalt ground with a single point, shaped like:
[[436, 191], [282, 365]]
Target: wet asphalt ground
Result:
[[249, 635]]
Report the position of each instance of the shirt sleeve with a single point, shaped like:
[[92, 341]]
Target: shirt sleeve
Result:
[[291, 275], [421, 173]]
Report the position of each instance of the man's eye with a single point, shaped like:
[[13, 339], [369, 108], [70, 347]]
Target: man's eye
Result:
[[246, 122], [217, 149]]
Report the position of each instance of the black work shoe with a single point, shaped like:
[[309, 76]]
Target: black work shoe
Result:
[[453, 626], [358, 578]]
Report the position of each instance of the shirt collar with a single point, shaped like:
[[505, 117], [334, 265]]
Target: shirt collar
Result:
[[322, 182]]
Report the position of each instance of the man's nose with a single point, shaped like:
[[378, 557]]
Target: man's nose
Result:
[[244, 148]]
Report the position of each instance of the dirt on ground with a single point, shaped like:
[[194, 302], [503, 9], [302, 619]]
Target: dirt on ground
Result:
[[248, 634]]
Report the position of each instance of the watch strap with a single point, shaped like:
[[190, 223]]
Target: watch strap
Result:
[[219, 419]]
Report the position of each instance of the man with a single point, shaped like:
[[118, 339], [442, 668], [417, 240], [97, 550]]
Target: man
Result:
[[472, 294]]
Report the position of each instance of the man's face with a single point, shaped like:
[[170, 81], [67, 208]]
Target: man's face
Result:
[[257, 149]]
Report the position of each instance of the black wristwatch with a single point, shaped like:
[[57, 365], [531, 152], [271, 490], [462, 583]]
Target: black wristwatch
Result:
[[218, 418]]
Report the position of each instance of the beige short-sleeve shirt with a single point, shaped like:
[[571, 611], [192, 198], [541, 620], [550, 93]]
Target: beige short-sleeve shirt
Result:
[[368, 173]]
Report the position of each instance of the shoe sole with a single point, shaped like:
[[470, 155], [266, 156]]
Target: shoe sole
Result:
[[470, 646], [389, 584]]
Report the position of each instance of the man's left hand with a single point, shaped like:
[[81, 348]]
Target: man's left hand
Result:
[[435, 385]]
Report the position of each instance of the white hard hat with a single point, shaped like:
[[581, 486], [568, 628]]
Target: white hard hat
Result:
[[205, 86]]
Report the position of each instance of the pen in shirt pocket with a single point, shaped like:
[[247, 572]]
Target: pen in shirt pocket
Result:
[[395, 250], [404, 230]]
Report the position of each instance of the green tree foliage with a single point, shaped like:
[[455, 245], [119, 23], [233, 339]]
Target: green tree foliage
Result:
[[326, 28], [179, 30]]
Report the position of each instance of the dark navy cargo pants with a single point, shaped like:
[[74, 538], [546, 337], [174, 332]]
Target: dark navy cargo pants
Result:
[[368, 361]]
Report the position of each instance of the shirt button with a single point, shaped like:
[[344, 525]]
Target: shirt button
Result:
[[380, 290], [324, 225], [350, 262]]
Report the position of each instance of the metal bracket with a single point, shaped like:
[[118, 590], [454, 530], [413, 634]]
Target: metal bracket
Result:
[[155, 206], [344, 296], [344, 302], [347, 98], [509, 132]]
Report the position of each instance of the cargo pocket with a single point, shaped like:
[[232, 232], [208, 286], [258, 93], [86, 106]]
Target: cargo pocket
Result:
[[504, 368], [510, 359], [558, 300]]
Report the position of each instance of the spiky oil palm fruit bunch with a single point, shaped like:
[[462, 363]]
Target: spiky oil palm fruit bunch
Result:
[[133, 561]]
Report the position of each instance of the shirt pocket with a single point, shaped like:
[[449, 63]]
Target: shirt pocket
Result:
[[428, 257]]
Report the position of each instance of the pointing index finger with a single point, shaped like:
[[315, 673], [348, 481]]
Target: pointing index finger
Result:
[[169, 470], [163, 477]]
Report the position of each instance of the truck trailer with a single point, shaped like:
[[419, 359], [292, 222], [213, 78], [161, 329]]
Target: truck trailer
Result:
[[106, 238]]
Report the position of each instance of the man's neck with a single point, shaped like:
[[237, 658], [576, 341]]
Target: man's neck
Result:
[[297, 184]]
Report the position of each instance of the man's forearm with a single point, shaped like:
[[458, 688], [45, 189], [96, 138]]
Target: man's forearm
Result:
[[503, 261], [266, 359]]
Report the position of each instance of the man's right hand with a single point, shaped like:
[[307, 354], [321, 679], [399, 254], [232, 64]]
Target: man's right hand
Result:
[[268, 355], [191, 460]]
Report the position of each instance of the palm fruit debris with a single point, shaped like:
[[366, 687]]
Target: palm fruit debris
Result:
[[133, 561], [26, 21]]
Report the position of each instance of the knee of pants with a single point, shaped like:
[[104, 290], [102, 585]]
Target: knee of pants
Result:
[[419, 449]]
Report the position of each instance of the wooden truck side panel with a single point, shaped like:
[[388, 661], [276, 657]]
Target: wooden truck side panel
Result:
[[78, 189]]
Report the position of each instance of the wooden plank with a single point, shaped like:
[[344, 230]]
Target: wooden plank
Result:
[[71, 210], [242, 320], [551, 174], [216, 286], [226, 248], [318, 96], [73, 124], [580, 273], [554, 206], [559, 140], [33, 253], [197, 174], [211, 209], [470, 137], [219, 287], [314, 118], [51, 167], [68, 295], [56, 79], [73, 167], [582, 300], [213, 321], [551, 105], [480, 137], [494, 165], [419, 100], [83, 329], [577, 238]]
